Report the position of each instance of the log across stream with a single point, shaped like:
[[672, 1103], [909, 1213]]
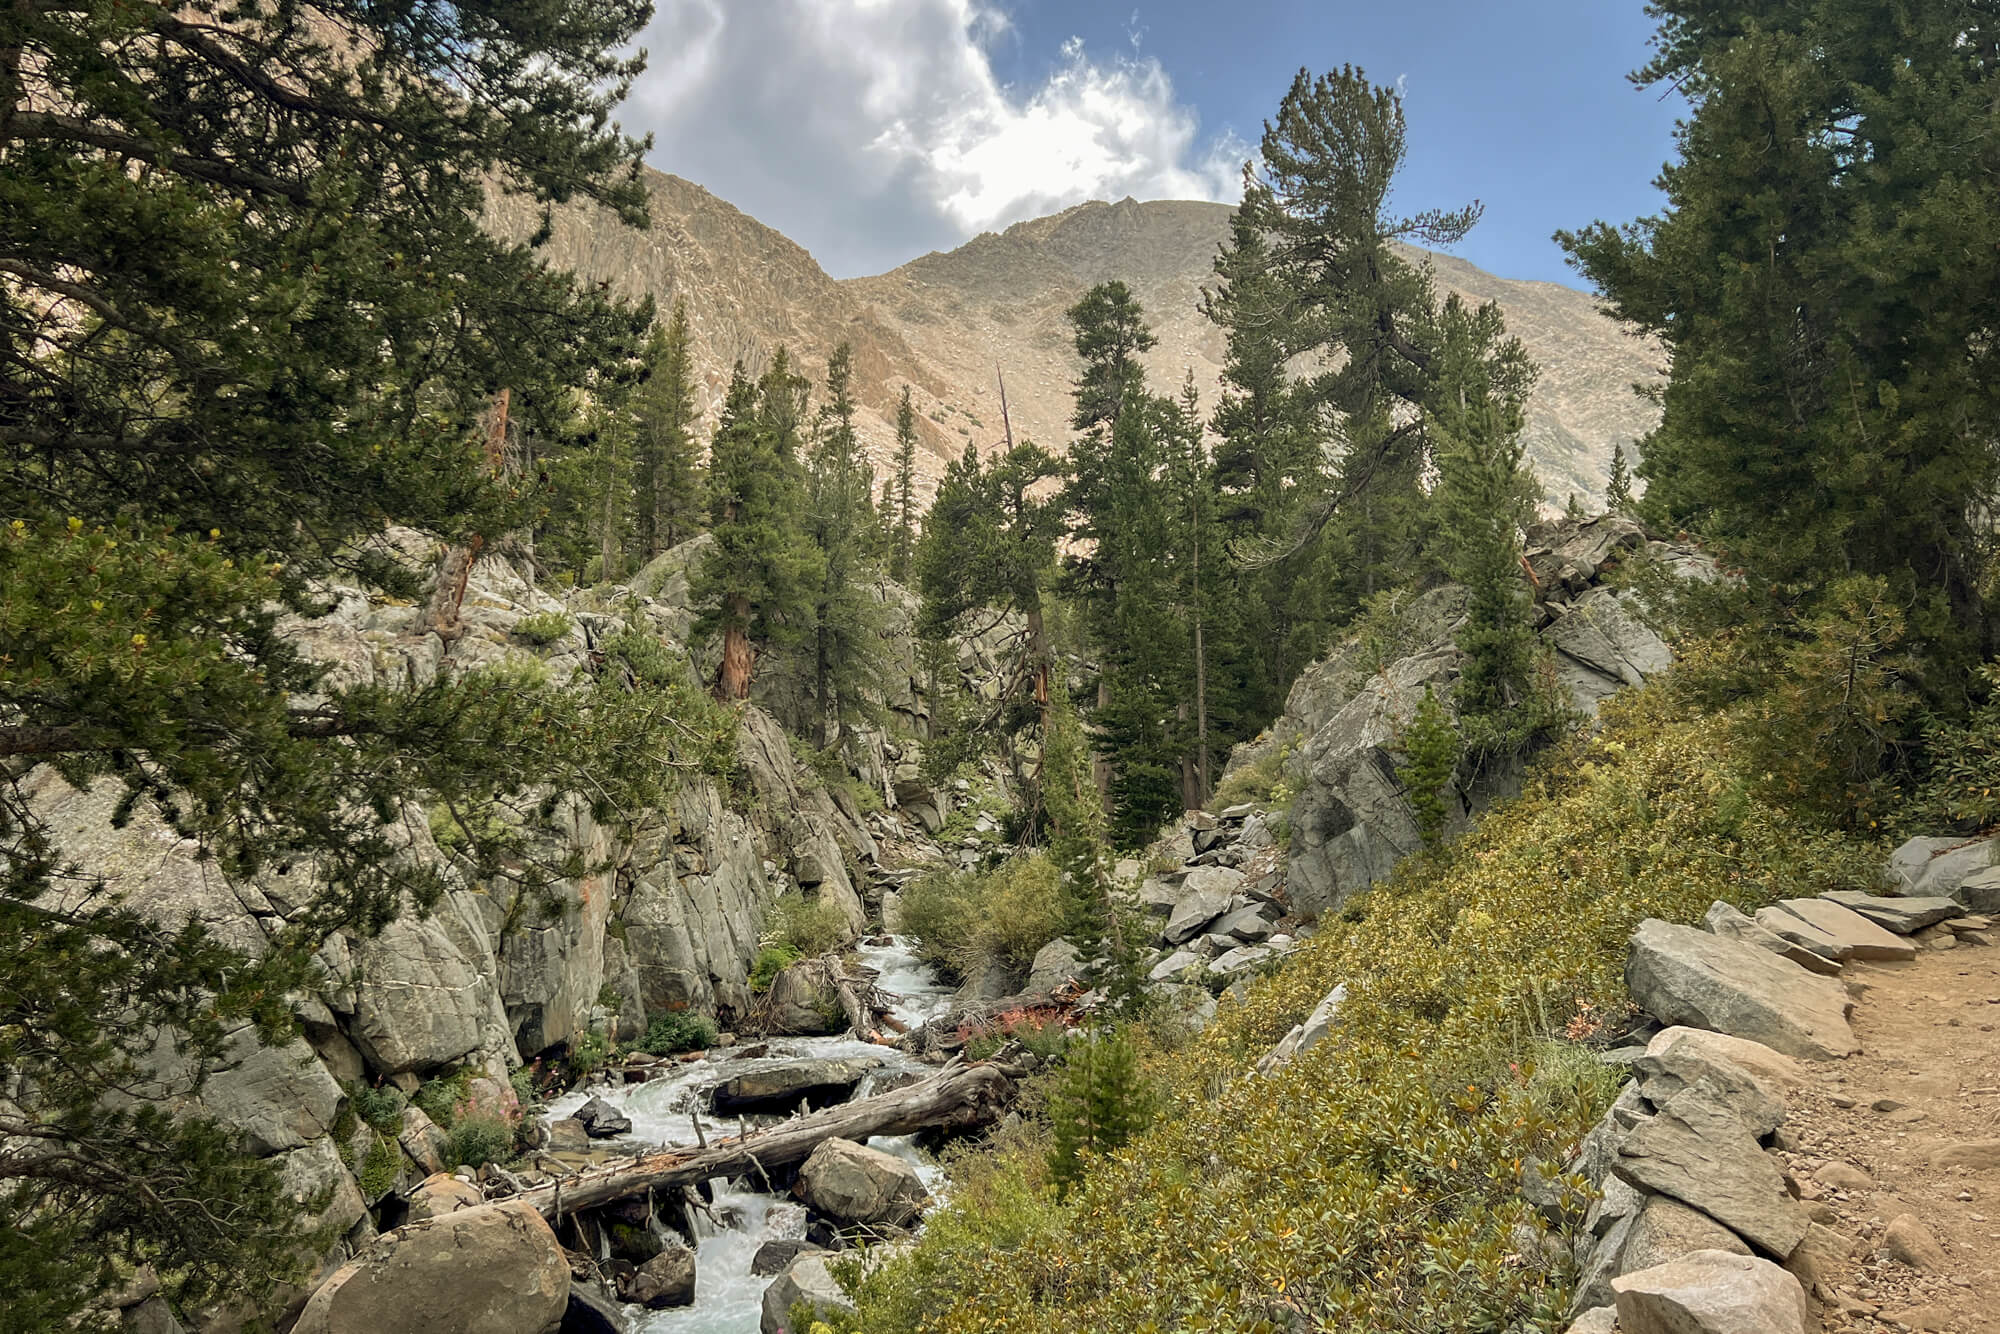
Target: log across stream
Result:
[[676, 1142]]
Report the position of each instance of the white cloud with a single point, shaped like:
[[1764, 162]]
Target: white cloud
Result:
[[870, 130]]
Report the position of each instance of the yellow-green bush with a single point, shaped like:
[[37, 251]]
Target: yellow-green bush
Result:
[[1373, 1183], [965, 920], [806, 927]]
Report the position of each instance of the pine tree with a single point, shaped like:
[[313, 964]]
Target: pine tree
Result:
[[668, 486], [1110, 333], [847, 616], [1573, 509], [1485, 500], [756, 582], [989, 545], [1098, 1104], [1829, 410], [251, 318], [904, 513], [1269, 471], [1618, 491]]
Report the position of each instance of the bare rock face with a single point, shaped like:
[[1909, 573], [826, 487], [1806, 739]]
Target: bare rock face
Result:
[[1711, 1292], [853, 1184], [1684, 976], [495, 1269]]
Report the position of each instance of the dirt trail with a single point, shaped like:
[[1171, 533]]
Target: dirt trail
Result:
[[1927, 1081]]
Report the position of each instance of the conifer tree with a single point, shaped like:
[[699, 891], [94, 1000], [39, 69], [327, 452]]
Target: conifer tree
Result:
[[988, 545], [668, 486], [755, 584], [1485, 499], [251, 318], [1097, 1106], [1270, 469], [847, 616], [1618, 490], [900, 505], [1819, 277]]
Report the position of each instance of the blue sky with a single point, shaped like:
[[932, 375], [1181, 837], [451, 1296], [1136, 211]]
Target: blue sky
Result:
[[871, 131]]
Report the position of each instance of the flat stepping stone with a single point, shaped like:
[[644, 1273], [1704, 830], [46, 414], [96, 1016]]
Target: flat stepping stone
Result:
[[1860, 937], [1728, 921], [1796, 930], [1904, 916]]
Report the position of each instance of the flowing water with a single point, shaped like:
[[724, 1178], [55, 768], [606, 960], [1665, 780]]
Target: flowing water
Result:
[[727, 1297]]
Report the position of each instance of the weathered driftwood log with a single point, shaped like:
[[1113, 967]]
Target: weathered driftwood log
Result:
[[956, 1098]]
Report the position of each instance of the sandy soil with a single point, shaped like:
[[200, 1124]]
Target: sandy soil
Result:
[[1928, 1080]]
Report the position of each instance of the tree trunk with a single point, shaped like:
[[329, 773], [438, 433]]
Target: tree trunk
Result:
[[1200, 682], [956, 1098], [732, 681]]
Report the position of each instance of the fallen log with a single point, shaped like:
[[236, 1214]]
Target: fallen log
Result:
[[956, 1098], [943, 1031]]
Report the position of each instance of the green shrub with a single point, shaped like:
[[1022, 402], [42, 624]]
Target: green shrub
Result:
[[587, 1053], [379, 1168], [678, 1031], [1374, 1182], [1960, 787], [770, 961], [807, 926], [964, 920], [479, 1138], [544, 627], [1043, 1034], [1261, 782], [439, 1098], [380, 1106]]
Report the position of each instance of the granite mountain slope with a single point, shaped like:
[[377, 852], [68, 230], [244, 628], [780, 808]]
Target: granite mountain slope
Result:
[[945, 322]]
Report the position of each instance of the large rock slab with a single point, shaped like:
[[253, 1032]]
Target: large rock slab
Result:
[[1904, 916], [1804, 934], [1684, 976], [854, 1184], [1204, 896], [1728, 921], [1861, 938], [806, 1283], [1938, 866], [780, 1088], [1701, 1153], [1980, 891], [1779, 1073], [1711, 1292], [495, 1269]]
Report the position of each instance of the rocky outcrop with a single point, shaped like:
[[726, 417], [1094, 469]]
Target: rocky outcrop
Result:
[[781, 1088], [495, 1269], [1351, 820]]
